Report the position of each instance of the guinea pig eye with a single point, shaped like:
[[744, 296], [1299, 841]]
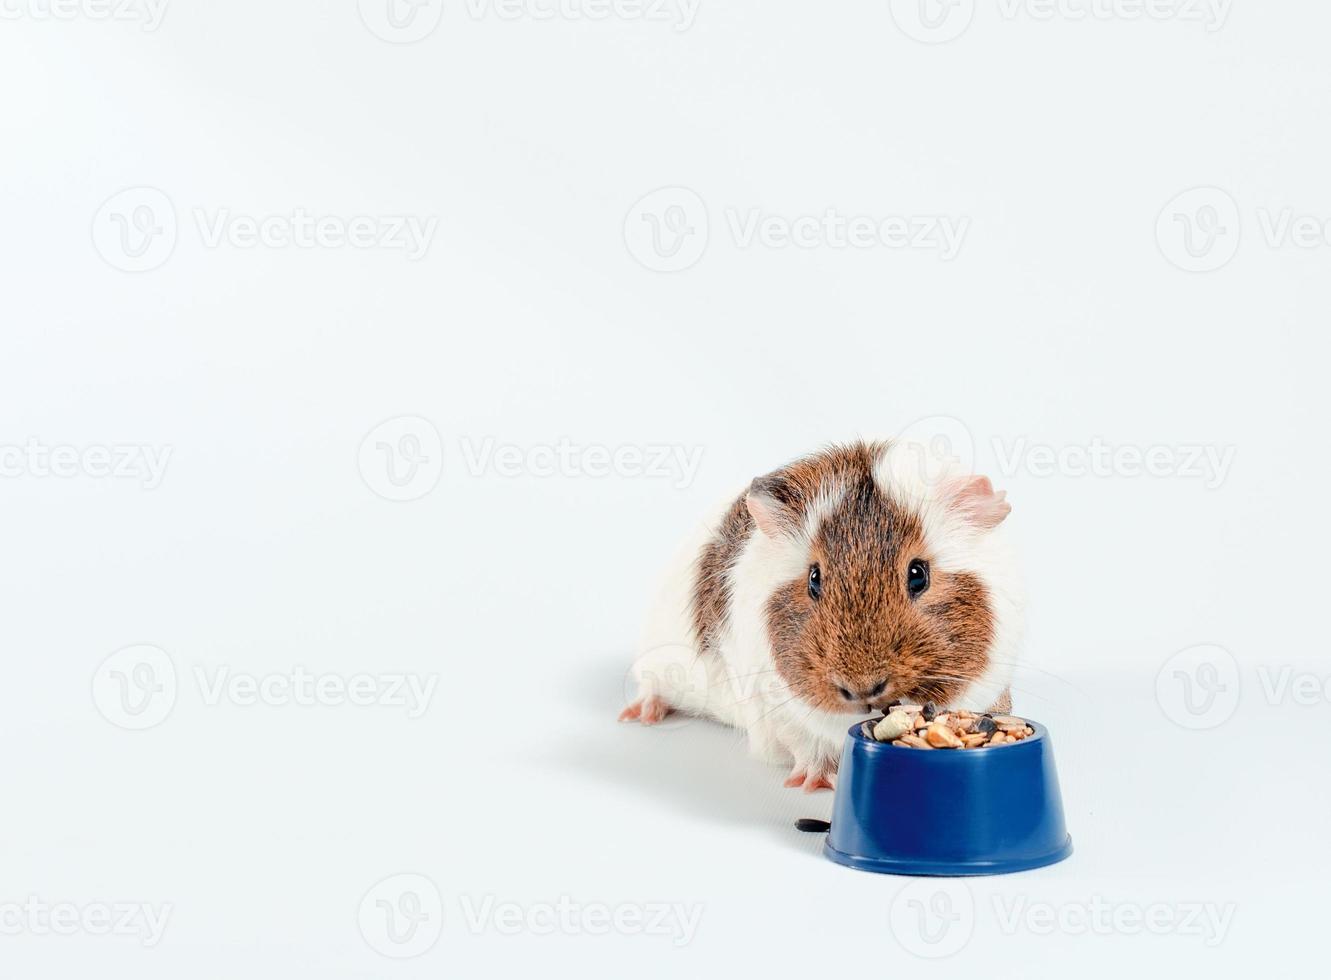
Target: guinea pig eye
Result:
[[815, 582], [917, 577]]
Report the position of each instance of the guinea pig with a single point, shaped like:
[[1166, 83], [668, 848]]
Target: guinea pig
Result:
[[857, 577]]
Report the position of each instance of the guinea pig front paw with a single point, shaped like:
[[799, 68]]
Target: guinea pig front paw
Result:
[[813, 778], [647, 711]]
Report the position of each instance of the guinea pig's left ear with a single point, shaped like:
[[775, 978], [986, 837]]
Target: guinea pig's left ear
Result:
[[973, 498], [771, 506]]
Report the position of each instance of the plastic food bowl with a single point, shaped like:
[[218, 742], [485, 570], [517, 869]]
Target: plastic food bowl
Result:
[[985, 811]]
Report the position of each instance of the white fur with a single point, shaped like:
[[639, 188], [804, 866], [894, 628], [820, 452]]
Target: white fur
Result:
[[738, 683]]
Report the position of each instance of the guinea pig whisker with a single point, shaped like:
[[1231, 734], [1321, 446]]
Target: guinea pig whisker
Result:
[[751, 697], [1016, 689], [774, 708], [1016, 666]]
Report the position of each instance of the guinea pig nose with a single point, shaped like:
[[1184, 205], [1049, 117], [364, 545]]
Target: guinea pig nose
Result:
[[865, 693]]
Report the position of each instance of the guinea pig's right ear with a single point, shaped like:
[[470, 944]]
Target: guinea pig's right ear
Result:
[[772, 506], [974, 499]]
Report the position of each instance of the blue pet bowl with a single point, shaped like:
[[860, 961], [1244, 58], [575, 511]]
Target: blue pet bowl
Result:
[[911, 811]]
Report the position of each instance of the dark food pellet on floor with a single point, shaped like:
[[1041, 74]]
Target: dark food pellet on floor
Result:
[[811, 826]]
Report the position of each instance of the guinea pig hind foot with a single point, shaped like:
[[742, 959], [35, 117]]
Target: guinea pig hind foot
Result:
[[647, 711]]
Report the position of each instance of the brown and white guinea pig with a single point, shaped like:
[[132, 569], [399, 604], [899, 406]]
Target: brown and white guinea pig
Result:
[[852, 578]]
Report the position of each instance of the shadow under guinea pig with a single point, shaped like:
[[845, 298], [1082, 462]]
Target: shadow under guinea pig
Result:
[[689, 764]]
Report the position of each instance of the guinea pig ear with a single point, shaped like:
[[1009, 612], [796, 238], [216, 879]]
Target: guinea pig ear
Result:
[[974, 500], [771, 506]]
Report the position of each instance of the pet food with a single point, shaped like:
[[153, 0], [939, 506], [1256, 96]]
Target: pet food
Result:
[[924, 727]]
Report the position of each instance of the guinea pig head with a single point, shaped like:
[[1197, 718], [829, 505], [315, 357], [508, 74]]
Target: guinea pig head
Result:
[[891, 586]]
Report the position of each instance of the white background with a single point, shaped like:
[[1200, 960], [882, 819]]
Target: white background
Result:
[[1067, 319]]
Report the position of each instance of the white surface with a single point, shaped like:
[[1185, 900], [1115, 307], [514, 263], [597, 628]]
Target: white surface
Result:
[[265, 547]]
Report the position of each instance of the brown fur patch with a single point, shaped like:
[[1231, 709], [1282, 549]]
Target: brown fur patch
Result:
[[794, 488], [711, 580]]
